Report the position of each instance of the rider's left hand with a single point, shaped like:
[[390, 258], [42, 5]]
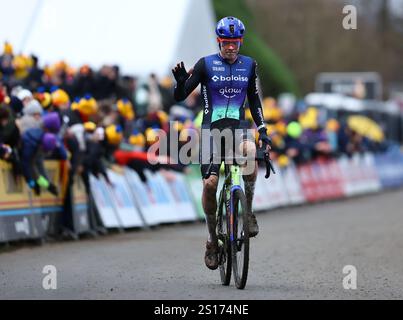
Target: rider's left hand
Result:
[[264, 138]]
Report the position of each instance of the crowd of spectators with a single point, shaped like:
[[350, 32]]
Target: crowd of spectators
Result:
[[92, 118]]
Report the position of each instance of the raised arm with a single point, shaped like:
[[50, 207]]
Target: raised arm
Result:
[[187, 82]]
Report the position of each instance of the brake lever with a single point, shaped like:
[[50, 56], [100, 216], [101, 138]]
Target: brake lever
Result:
[[262, 155], [207, 174], [269, 165]]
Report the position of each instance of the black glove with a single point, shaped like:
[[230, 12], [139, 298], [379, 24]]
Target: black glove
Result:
[[180, 73], [53, 189], [264, 137]]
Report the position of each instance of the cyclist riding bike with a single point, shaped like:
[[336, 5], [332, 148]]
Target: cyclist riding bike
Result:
[[226, 79]]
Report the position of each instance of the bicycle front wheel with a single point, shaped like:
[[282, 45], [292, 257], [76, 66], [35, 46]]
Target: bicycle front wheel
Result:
[[224, 243], [240, 241]]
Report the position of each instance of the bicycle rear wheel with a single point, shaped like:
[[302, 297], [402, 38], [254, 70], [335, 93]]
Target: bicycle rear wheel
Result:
[[225, 264], [240, 242]]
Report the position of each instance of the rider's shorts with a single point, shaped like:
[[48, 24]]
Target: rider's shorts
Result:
[[222, 142]]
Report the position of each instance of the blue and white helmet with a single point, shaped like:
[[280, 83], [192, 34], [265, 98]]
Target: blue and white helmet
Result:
[[230, 27]]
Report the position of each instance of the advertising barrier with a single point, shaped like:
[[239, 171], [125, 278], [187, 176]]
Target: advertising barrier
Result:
[[123, 202], [24, 215], [261, 201], [81, 221], [275, 186], [195, 184], [104, 203], [144, 198], [310, 188], [371, 175], [293, 185], [183, 200], [162, 200], [163, 196], [329, 184], [359, 175], [171, 197], [390, 169]]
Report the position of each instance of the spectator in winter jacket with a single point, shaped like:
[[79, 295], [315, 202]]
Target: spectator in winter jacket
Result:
[[36, 144], [9, 139], [35, 76], [32, 117], [9, 133]]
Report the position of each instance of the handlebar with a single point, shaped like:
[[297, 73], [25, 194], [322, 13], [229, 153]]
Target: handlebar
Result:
[[261, 155]]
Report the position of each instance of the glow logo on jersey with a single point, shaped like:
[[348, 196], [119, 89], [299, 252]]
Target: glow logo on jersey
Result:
[[230, 92]]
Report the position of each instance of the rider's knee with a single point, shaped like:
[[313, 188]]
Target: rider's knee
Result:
[[211, 184], [248, 149]]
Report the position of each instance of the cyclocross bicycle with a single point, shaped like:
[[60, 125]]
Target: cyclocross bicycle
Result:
[[232, 222]]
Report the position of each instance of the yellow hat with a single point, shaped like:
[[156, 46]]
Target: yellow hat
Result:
[[114, 134], [125, 108], [21, 66], [88, 105], [163, 116], [137, 139], [151, 135], [90, 126], [8, 49], [44, 98], [74, 105], [283, 161], [309, 119], [60, 97], [273, 114], [281, 128]]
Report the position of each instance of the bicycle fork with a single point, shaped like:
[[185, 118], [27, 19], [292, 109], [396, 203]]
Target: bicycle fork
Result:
[[234, 185]]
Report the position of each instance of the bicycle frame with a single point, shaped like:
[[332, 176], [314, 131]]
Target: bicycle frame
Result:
[[231, 183]]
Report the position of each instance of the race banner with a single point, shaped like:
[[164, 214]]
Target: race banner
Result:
[[195, 184], [123, 201], [81, 221], [104, 203], [163, 196], [144, 198], [182, 197], [292, 184]]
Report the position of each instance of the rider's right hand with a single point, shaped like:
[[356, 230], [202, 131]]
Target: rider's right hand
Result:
[[180, 73]]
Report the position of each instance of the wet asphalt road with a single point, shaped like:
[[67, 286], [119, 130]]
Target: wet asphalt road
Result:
[[299, 254]]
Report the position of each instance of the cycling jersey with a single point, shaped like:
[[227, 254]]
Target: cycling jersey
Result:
[[224, 88]]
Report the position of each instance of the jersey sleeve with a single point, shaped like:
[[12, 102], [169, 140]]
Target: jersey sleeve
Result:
[[182, 90], [254, 100]]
